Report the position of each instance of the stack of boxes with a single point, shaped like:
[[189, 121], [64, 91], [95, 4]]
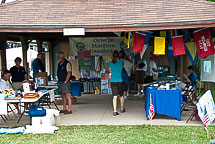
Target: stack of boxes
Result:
[[105, 84]]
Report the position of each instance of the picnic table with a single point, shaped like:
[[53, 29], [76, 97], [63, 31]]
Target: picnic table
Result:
[[29, 101]]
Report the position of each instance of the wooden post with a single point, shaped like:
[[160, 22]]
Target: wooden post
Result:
[[3, 40], [50, 58], [25, 44], [39, 46]]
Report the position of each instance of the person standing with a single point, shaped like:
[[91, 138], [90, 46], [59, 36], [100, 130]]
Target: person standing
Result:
[[126, 73], [141, 68], [64, 72], [115, 68], [153, 69], [37, 65], [18, 74]]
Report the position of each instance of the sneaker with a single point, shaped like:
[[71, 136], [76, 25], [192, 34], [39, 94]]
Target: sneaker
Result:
[[115, 113], [142, 95], [138, 94], [26, 113]]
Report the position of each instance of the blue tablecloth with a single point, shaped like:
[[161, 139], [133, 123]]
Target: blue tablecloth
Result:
[[165, 102]]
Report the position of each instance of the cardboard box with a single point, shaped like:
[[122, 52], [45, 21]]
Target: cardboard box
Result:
[[48, 120], [44, 76]]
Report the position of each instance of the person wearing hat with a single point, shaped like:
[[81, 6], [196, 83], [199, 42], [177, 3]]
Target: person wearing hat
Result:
[[18, 74]]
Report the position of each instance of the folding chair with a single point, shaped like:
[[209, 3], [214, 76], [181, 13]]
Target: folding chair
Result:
[[190, 93], [46, 101], [10, 109], [194, 109], [4, 118]]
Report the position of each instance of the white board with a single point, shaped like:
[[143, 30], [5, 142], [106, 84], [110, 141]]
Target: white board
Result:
[[207, 69]]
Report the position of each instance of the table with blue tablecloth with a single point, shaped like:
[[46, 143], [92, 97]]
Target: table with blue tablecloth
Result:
[[165, 102]]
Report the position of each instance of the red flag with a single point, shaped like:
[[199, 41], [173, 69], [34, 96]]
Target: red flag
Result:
[[138, 43], [178, 45], [204, 43]]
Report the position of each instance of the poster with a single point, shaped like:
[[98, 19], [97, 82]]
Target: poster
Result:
[[108, 58], [207, 73], [96, 45]]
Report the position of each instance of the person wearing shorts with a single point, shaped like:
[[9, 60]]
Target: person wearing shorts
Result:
[[117, 86], [141, 68], [64, 74], [126, 72]]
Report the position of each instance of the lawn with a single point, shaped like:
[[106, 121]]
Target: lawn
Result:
[[115, 135]]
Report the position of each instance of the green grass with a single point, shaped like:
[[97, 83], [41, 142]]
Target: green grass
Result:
[[115, 135]]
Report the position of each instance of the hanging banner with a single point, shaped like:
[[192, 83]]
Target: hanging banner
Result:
[[138, 43], [204, 43], [178, 45], [96, 45], [162, 33], [159, 45], [146, 42], [191, 51], [171, 33]]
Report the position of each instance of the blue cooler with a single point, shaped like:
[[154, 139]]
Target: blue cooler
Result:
[[76, 89]]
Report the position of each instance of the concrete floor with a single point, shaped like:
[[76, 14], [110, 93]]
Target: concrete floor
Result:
[[97, 110]]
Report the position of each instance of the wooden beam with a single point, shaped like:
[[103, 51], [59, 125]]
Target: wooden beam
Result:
[[51, 69], [40, 46], [25, 45], [3, 45]]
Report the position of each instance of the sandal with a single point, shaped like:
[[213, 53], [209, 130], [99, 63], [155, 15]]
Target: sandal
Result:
[[68, 112], [62, 111], [115, 113], [122, 111]]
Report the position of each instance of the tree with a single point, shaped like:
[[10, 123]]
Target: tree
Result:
[[3, 1]]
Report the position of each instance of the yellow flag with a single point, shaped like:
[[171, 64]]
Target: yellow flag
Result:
[[191, 46], [159, 45], [127, 39], [163, 33]]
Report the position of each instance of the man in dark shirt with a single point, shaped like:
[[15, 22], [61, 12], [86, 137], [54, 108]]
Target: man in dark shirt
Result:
[[64, 71], [37, 65], [18, 74]]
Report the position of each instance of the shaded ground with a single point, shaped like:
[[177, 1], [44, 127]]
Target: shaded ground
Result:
[[97, 110]]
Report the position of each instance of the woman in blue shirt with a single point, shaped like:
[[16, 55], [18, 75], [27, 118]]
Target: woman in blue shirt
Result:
[[117, 86]]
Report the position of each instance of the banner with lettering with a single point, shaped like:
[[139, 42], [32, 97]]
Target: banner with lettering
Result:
[[178, 45], [159, 45], [204, 43], [138, 43], [96, 45]]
